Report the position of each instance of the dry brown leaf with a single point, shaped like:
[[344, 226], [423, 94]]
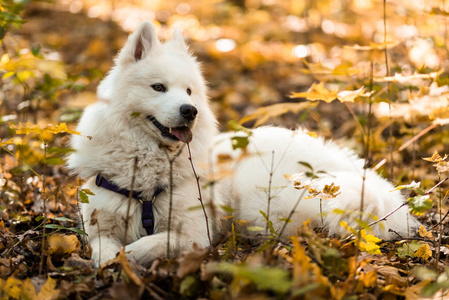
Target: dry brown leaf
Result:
[[128, 270], [191, 262]]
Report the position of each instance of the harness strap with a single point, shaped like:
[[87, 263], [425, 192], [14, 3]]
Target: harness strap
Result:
[[147, 206]]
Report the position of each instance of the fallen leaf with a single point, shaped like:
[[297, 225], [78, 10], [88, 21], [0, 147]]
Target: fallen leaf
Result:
[[191, 262], [62, 245], [424, 233], [424, 252]]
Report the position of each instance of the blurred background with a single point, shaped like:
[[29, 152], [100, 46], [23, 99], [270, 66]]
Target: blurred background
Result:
[[254, 53]]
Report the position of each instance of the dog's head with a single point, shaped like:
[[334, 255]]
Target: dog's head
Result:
[[159, 82]]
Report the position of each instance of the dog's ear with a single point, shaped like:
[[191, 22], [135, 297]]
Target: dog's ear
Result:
[[139, 43], [177, 40]]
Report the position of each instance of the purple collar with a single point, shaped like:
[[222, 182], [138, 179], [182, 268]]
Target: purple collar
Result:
[[147, 206]]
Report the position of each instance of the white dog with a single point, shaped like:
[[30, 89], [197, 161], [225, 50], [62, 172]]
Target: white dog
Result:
[[149, 106]]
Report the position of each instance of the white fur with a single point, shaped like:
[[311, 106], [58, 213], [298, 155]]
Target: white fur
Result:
[[120, 133]]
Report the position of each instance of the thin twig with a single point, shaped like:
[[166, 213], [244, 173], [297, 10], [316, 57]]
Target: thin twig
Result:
[[269, 191], [170, 206], [170, 161], [44, 185], [200, 198], [445, 216], [408, 143], [292, 211], [211, 191], [130, 198], [436, 185], [389, 91]]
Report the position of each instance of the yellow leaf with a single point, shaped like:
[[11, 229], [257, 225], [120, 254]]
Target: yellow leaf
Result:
[[423, 232], [45, 133], [5, 59], [435, 158], [424, 252], [12, 288], [345, 69], [368, 279], [63, 245], [28, 291], [263, 114], [317, 92], [49, 290]]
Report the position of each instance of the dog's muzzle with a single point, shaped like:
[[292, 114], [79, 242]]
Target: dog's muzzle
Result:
[[181, 133]]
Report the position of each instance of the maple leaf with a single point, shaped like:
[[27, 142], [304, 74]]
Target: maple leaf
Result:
[[424, 233], [319, 92], [436, 158], [263, 114], [424, 252], [441, 163]]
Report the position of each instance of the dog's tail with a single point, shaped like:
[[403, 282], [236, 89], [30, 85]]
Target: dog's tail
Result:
[[364, 202]]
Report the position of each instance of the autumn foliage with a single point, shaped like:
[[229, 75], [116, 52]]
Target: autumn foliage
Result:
[[371, 74]]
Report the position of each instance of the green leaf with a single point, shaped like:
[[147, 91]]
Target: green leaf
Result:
[[265, 278], [408, 249], [59, 150], [54, 226], [424, 273], [239, 142], [419, 204], [189, 286], [255, 228], [62, 219], [306, 164], [237, 127], [53, 161], [430, 289], [77, 230], [35, 50], [83, 196]]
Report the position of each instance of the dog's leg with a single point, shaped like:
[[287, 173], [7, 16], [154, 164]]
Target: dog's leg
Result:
[[104, 222], [148, 248]]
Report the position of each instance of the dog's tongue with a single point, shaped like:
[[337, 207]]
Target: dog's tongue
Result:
[[182, 133]]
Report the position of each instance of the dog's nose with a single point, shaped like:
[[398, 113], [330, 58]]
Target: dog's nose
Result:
[[188, 111]]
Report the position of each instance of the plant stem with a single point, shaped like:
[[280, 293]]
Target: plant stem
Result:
[[390, 133], [41, 264], [292, 212], [269, 192], [130, 198], [200, 198]]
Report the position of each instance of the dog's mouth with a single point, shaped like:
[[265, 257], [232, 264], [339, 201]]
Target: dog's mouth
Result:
[[182, 133]]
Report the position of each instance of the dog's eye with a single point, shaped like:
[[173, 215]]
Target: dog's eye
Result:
[[159, 87], [189, 91]]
